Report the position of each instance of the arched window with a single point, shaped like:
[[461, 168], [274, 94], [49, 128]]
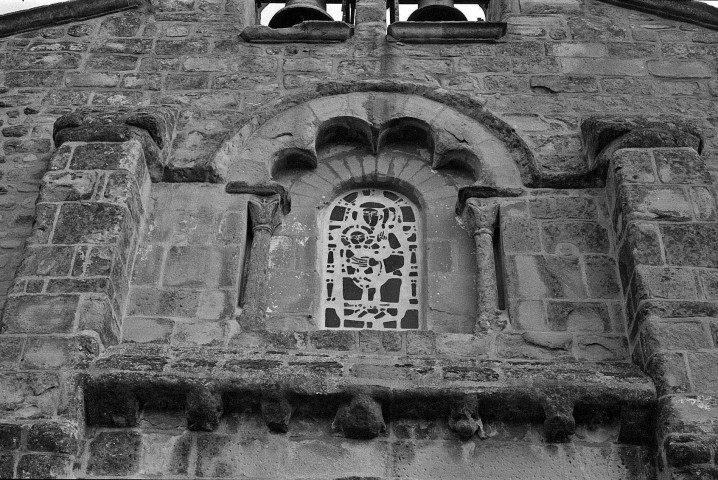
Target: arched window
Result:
[[371, 262]]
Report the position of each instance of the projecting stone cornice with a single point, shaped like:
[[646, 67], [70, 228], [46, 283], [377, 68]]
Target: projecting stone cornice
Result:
[[694, 12], [61, 13], [210, 381]]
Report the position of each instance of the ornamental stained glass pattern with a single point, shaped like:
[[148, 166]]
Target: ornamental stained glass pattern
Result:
[[371, 262]]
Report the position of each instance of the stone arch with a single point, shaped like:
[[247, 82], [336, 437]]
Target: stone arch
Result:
[[302, 122], [448, 304]]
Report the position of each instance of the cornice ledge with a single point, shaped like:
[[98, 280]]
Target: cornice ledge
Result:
[[310, 31], [690, 11], [61, 13]]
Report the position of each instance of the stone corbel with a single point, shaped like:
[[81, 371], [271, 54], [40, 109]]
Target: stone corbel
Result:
[[464, 418], [277, 412], [604, 135], [481, 217], [204, 409], [153, 127], [559, 423], [361, 418]]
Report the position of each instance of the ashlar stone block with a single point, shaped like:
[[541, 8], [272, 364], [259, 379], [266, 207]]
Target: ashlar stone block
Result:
[[541, 276], [586, 237], [115, 453]]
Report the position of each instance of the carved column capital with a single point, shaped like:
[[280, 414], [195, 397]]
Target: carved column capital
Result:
[[265, 213], [481, 217]]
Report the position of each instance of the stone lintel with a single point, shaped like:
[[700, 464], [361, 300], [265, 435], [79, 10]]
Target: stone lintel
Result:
[[694, 12], [604, 132], [311, 31], [262, 190], [445, 32], [61, 13]]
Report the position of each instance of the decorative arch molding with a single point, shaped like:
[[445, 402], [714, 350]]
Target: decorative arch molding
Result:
[[290, 131]]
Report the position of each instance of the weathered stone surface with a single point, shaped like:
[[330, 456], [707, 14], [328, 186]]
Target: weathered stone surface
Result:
[[43, 466], [456, 32], [534, 345], [638, 202], [691, 244], [578, 316], [678, 69], [587, 237], [115, 453], [204, 409], [559, 424], [361, 418], [617, 132], [681, 166], [307, 31], [464, 418], [112, 407], [563, 301], [57, 313], [55, 437], [277, 411], [94, 223], [10, 436], [7, 465], [683, 450], [546, 276]]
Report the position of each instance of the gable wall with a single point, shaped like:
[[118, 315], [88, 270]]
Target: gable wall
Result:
[[561, 62]]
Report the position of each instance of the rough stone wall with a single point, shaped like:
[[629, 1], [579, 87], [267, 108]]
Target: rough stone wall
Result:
[[186, 279], [420, 449], [561, 62]]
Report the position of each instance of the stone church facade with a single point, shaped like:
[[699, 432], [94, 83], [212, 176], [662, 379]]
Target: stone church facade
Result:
[[366, 248]]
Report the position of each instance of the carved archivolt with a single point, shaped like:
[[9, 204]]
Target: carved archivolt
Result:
[[486, 148]]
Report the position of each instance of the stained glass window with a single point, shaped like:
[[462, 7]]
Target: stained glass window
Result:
[[371, 262]]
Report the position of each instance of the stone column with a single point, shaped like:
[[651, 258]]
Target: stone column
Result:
[[665, 214], [481, 217], [265, 215], [65, 304]]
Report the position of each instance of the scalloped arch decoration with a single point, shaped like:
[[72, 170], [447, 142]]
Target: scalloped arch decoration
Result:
[[499, 157]]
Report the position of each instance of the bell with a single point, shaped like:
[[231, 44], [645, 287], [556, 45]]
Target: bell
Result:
[[297, 11], [437, 11]]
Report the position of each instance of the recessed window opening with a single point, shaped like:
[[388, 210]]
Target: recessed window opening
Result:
[[500, 276], [437, 11], [372, 256], [245, 264], [406, 131], [286, 14]]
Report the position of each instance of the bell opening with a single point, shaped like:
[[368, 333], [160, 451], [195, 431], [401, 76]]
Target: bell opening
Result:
[[294, 15], [437, 13]]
